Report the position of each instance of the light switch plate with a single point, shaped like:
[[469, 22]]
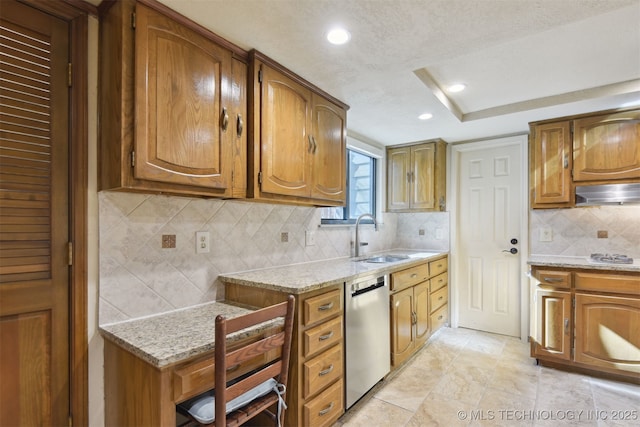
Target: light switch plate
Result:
[[310, 238]]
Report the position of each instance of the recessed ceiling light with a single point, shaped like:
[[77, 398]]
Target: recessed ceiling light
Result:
[[425, 116], [338, 36], [458, 87]]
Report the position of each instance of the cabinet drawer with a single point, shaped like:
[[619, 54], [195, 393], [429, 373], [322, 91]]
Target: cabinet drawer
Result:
[[439, 298], [325, 409], [610, 283], [409, 277], [322, 307], [439, 281], [439, 318], [322, 370], [322, 336], [193, 378], [556, 279], [438, 266]]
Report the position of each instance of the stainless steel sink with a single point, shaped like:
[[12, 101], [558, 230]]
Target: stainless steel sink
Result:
[[385, 258]]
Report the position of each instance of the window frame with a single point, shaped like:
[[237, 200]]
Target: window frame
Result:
[[376, 154]]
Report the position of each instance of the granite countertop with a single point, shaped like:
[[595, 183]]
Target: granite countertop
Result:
[[305, 277], [580, 262], [172, 337]]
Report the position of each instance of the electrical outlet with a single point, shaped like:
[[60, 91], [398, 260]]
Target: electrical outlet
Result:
[[546, 234], [421, 232], [202, 242], [284, 237]]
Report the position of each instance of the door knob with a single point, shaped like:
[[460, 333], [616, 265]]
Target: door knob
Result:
[[514, 241], [512, 250]]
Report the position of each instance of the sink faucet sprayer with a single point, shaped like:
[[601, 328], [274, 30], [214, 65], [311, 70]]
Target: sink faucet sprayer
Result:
[[358, 244]]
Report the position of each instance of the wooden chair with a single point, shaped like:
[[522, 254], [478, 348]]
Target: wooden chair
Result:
[[265, 377]]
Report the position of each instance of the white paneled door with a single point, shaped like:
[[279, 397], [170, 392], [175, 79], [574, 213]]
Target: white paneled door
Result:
[[489, 212]]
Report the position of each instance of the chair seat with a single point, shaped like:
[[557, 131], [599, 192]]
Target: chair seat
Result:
[[203, 409]]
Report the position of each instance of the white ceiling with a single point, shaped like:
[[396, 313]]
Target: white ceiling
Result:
[[522, 60]]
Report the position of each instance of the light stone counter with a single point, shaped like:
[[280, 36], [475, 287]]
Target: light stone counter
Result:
[[305, 277], [172, 337], [580, 262]]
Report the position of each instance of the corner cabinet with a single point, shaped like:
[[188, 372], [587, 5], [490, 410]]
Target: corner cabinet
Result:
[[297, 138], [418, 306], [173, 105], [588, 320], [596, 148], [416, 177]]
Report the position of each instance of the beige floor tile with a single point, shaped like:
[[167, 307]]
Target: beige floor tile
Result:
[[503, 408], [518, 381], [409, 388], [437, 411], [459, 387], [375, 412]]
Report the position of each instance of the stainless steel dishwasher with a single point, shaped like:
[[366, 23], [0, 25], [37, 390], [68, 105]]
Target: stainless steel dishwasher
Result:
[[367, 342]]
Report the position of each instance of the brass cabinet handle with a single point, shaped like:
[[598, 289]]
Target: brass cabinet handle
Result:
[[326, 307], [233, 368], [566, 326], [440, 317], [326, 371], [239, 125], [440, 297], [224, 119], [315, 146], [414, 275], [310, 138], [553, 279], [326, 336], [326, 410], [566, 161]]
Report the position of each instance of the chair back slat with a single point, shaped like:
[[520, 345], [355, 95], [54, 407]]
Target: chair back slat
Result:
[[256, 317], [255, 349], [253, 380]]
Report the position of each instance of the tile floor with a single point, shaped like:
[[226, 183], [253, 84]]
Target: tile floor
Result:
[[466, 377]]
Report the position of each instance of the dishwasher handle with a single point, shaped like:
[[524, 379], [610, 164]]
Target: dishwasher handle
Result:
[[373, 287]]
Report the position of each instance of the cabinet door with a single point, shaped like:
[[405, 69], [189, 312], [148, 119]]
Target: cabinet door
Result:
[[422, 311], [286, 145], [402, 330], [398, 176], [181, 96], [608, 332], [551, 152], [607, 147], [423, 176], [329, 151], [554, 324]]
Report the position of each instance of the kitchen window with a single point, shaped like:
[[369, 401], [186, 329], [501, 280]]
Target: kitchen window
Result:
[[361, 190]]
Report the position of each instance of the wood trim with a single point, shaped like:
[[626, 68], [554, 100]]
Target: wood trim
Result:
[[78, 188], [581, 116], [64, 9]]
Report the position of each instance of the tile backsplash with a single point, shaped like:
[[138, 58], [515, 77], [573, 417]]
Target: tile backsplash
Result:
[[139, 278], [574, 232]]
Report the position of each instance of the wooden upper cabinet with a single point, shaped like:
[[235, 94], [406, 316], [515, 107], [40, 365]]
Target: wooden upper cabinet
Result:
[[607, 147], [551, 164], [329, 150], [416, 177], [285, 135], [297, 147], [172, 109]]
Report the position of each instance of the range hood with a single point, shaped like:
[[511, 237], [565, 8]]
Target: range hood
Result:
[[607, 194]]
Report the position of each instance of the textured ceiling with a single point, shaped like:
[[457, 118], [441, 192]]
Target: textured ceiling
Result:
[[522, 60]]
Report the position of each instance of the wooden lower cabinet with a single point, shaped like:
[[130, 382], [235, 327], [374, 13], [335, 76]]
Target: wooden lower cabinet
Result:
[[588, 320], [419, 307], [315, 393], [609, 332], [553, 308]]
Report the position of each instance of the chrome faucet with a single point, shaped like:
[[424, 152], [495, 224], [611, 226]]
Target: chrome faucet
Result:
[[358, 244]]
